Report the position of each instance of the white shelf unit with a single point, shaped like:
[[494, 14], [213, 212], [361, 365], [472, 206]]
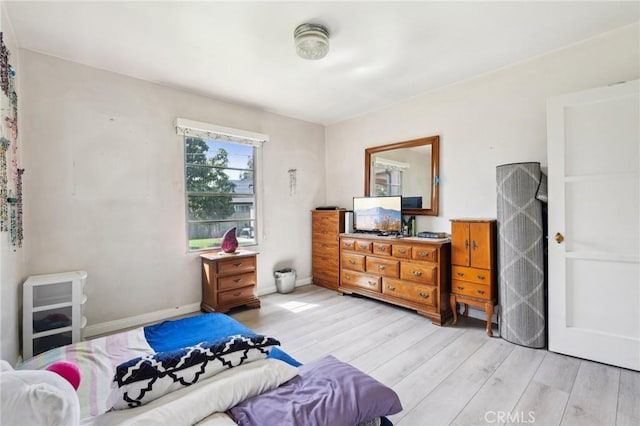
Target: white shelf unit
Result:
[[52, 311]]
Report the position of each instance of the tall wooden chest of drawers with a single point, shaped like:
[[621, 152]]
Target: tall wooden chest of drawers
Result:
[[409, 272], [473, 266], [229, 280], [325, 258]]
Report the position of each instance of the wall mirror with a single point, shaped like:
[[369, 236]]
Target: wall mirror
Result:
[[410, 169]]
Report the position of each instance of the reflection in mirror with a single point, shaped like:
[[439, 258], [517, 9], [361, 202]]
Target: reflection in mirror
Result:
[[407, 168]]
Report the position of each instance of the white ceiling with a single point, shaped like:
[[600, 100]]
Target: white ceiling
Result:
[[381, 52]]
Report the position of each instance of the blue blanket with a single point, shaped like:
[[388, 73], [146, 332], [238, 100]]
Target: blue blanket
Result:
[[175, 334]]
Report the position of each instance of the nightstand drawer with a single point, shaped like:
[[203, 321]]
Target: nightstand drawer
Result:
[[480, 276], [414, 292], [237, 281], [354, 262], [384, 267], [232, 296], [237, 264], [464, 288]]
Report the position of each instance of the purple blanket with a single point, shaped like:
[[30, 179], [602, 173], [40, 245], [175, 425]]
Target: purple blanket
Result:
[[327, 392]]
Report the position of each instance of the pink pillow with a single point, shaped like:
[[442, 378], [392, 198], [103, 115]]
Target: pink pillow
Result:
[[68, 371]]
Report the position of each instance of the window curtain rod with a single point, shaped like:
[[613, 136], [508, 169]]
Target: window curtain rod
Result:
[[198, 129]]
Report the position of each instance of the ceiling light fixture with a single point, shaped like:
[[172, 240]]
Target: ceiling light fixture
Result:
[[312, 41]]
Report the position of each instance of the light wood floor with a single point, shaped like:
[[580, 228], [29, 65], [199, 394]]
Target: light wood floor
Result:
[[447, 375]]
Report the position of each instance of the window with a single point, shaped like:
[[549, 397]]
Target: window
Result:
[[220, 184], [388, 182]]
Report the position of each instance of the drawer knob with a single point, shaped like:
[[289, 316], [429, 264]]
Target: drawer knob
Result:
[[461, 274], [237, 280], [460, 287], [417, 273], [481, 277], [390, 287], [480, 291], [352, 262], [237, 293], [424, 295], [372, 283], [380, 247], [381, 267], [422, 254], [237, 264], [348, 277], [363, 246], [402, 251]]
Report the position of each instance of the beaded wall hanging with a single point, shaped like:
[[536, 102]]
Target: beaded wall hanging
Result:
[[10, 174]]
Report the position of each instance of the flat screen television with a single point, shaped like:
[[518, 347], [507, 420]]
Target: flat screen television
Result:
[[377, 214]]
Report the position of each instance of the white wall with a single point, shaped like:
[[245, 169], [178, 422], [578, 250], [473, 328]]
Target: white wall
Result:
[[104, 187], [11, 261], [490, 120]]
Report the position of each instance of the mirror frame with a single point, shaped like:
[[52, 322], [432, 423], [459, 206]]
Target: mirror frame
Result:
[[434, 141]]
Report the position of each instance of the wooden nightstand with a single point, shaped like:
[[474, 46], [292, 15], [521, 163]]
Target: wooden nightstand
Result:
[[473, 266], [229, 280]]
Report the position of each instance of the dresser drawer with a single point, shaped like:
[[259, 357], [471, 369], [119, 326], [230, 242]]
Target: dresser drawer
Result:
[[464, 288], [425, 253], [352, 261], [326, 274], [237, 264], [418, 272], [414, 292], [363, 246], [348, 244], [232, 296], [402, 251], [326, 220], [237, 281], [382, 249], [328, 246], [324, 235], [360, 280], [329, 263], [481, 276], [381, 266]]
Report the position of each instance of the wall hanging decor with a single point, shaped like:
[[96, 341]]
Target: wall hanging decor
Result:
[[11, 209], [292, 181]]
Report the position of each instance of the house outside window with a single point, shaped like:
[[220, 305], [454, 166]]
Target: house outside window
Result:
[[220, 184]]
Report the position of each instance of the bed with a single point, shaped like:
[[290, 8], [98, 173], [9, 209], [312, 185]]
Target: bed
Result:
[[212, 370]]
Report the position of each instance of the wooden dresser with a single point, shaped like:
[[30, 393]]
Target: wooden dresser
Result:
[[409, 272], [473, 266], [229, 280], [325, 258]]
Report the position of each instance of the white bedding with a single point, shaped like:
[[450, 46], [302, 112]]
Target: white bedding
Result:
[[199, 403], [97, 360]]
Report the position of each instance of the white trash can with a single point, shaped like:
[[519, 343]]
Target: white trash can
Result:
[[285, 280]]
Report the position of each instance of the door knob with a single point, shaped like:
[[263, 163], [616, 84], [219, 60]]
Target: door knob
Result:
[[559, 238]]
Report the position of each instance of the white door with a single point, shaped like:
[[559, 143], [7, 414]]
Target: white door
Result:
[[594, 224]]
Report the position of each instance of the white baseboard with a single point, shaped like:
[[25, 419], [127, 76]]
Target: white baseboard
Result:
[[138, 320], [163, 314]]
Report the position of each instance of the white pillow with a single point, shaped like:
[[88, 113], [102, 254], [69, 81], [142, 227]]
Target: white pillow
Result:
[[36, 397]]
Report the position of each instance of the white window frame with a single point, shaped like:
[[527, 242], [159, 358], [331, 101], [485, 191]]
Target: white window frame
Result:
[[191, 128]]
